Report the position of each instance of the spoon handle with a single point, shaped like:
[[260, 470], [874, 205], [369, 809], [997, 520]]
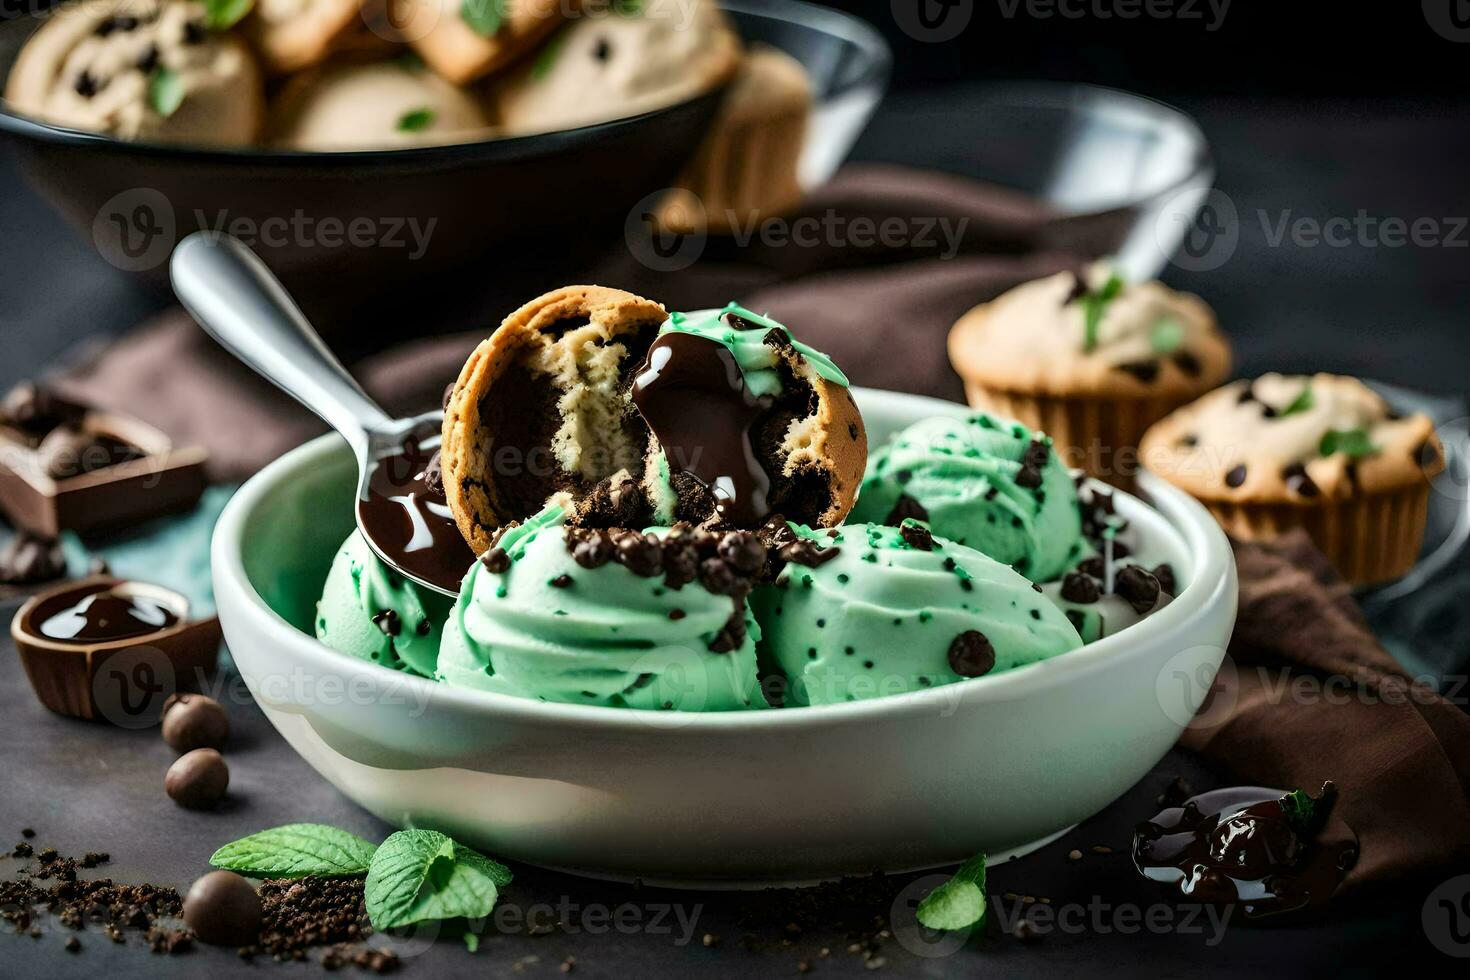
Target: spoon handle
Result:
[[236, 299]]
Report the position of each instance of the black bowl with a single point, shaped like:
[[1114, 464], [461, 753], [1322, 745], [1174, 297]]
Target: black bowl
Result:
[[510, 216], [429, 221]]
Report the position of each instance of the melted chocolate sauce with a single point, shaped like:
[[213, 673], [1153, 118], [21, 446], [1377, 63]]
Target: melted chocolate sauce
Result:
[[409, 520], [693, 396], [1241, 846], [105, 616]]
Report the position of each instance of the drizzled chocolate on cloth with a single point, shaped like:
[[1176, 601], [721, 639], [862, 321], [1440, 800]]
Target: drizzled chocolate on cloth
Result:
[[1398, 753]]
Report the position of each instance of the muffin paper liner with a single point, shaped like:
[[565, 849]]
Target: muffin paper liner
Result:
[[1371, 537], [1097, 435]]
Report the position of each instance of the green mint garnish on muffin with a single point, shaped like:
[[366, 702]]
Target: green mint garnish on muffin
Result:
[[1094, 306], [1353, 442], [546, 60], [1301, 403], [421, 875], [165, 91], [628, 8], [295, 851], [221, 15], [484, 17], [1166, 335], [959, 903], [415, 120]]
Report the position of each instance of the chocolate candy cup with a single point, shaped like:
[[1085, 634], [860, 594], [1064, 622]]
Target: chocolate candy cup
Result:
[[124, 682]]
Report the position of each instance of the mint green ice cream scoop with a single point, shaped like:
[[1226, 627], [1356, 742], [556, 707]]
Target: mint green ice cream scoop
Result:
[[367, 610], [897, 610], [984, 482], [534, 621]]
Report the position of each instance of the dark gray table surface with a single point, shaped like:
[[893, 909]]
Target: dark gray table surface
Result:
[[1390, 313]]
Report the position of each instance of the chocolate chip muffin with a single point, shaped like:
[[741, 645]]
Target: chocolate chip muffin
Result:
[[748, 167], [1324, 453], [1091, 360], [140, 70], [618, 59]]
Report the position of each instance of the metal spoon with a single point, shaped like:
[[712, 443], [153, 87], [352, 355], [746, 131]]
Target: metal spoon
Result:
[[236, 299]]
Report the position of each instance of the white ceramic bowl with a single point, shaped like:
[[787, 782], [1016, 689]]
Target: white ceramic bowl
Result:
[[999, 763]]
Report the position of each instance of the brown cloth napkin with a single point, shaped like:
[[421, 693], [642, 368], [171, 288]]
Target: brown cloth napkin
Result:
[[1308, 694], [1399, 754], [882, 311]]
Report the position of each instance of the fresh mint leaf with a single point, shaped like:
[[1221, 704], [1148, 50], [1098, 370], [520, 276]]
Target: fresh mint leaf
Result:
[[165, 91], [628, 8], [1094, 306], [1306, 813], [421, 875], [295, 851], [1353, 442], [1166, 335], [485, 17], [1301, 403], [958, 903], [221, 15], [415, 120]]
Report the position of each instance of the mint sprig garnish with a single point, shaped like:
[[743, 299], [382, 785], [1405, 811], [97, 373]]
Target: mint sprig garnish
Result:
[[959, 903], [221, 15], [415, 120], [165, 91], [420, 875], [1353, 442], [484, 17], [295, 851], [1166, 335], [1094, 306], [1301, 403]]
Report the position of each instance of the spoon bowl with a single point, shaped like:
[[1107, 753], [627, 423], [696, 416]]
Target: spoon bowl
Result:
[[235, 298]]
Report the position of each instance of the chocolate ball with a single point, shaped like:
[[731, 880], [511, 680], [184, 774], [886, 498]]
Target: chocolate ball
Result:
[[194, 721], [223, 909], [36, 411], [197, 780], [29, 560]]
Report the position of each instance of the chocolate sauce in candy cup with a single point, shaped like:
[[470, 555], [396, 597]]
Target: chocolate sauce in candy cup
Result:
[[112, 650]]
